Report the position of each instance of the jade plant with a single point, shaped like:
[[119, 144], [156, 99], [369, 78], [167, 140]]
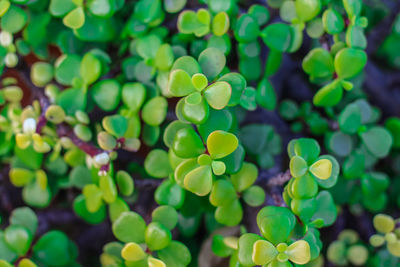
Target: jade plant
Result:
[[20, 244], [152, 133]]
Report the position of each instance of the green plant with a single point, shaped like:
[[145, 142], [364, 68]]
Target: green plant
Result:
[[151, 133]]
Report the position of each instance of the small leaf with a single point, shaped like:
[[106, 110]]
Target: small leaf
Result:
[[212, 61], [322, 169], [278, 36], [378, 141], [129, 227], [107, 94], [115, 125], [199, 181], [220, 144], [299, 252], [75, 18], [384, 223], [245, 177], [307, 9], [298, 166], [263, 252], [132, 252], [220, 24], [349, 62], [329, 95], [318, 63], [180, 83]]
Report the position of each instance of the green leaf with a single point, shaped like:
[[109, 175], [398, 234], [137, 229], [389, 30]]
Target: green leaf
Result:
[[174, 6], [238, 84], [188, 64], [96, 29], [166, 215], [229, 214], [34, 195], [304, 187], [116, 125], [349, 62], [275, 223], [378, 141], [129, 227], [299, 252], [25, 217], [246, 29], [101, 8], [155, 111], [245, 248], [20, 177], [6, 252], [133, 95], [195, 109], [59, 8], [67, 68], [133, 252], [125, 183], [180, 83], [245, 177], [254, 196], [219, 247], [171, 130], [307, 9], [220, 144], [212, 61], [318, 63], [53, 249], [170, 193], [326, 208], [93, 196], [72, 100], [330, 181], [108, 188], [298, 166], [220, 24], [175, 255], [350, 119], [265, 95], [14, 19], [18, 238], [329, 95], [339, 143], [75, 18], [157, 236], [90, 69], [353, 7], [164, 58], [383, 223], [278, 36], [321, 169], [333, 21], [199, 181], [191, 22], [393, 125], [263, 252], [222, 193], [107, 94], [260, 13], [248, 99], [148, 11], [307, 148], [187, 143], [157, 164], [79, 207], [4, 6]]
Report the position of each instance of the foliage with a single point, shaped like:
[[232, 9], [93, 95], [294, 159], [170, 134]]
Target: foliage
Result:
[[161, 124]]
